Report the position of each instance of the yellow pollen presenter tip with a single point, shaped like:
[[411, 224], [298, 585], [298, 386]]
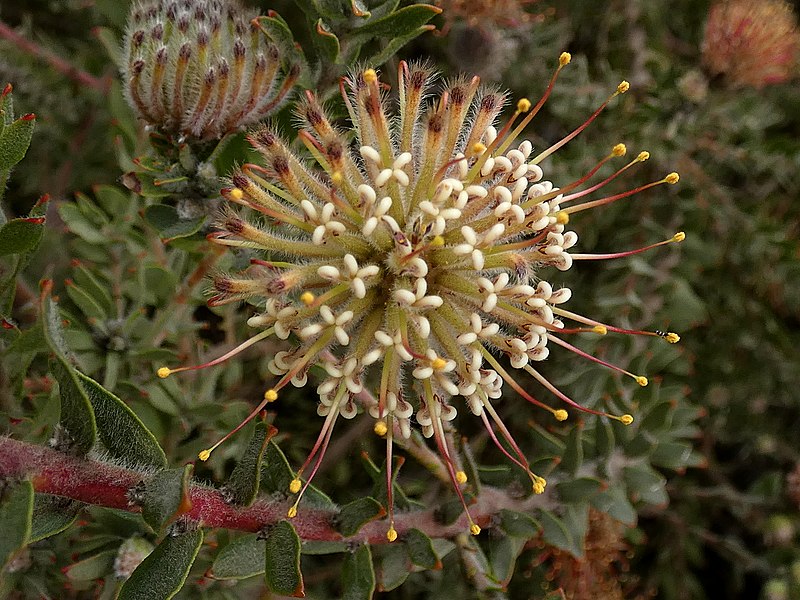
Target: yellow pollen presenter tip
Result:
[[164, 372], [438, 364], [380, 428], [562, 218], [295, 485], [679, 237], [564, 59], [623, 87], [437, 242], [307, 298], [619, 150], [236, 194], [601, 329], [641, 380], [672, 178], [672, 338], [538, 485], [337, 177], [561, 415], [626, 419], [474, 529], [270, 395], [204, 455], [478, 148], [370, 76], [643, 156], [292, 512], [524, 105], [391, 535], [461, 477]]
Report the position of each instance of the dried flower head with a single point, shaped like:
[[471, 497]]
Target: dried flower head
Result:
[[201, 68], [409, 267], [751, 42]]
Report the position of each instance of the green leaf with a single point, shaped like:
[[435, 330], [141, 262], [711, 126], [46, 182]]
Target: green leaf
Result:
[[393, 46], [14, 141], [572, 459], [355, 514], [645, 485], [420, 550], [327, 42], [168, 223], [21, 235], [162, 574], [276, 475], [555, 532], [242, 558], [358, 576], [120, 430], [81, 226], [519, 524], [579, 489], [282, 561], [502, 555], [98, 290], [16, 511], [85, 303], [166, 496], [398, 23], [52, 515], [244, 481], [614, 503], [393, 567], [317, 547], [603, 437], [113, 200], [77, 416], [91, 568], [671, 455]]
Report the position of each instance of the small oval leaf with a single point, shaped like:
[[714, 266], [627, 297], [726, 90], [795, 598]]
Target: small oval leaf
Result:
[[242, 558], [166, 497], [420, 550], [355, 514], [244, 481], [16, 511], [52, 515], [358, 576], [162, 574], [282, 561], [120, 430], [15, 140]]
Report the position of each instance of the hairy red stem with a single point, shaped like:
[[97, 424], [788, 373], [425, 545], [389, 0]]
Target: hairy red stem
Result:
[[104, 484]]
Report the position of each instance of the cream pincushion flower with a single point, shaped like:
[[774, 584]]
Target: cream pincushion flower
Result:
[[406, 268]]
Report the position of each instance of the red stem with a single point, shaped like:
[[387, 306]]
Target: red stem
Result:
[[104, 484]]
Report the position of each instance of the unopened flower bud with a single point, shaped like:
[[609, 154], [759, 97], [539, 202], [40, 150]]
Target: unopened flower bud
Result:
[[199, 69]]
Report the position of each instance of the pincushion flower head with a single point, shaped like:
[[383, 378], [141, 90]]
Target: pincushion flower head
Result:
[[753, 43], [201, 68], [413, 268]]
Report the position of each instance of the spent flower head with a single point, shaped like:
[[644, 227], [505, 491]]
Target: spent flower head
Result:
[[751, 42], [414, 269], [201, 68]]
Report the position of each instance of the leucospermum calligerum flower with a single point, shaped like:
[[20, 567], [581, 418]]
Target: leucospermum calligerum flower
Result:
[[201, 68], [407, 268]]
